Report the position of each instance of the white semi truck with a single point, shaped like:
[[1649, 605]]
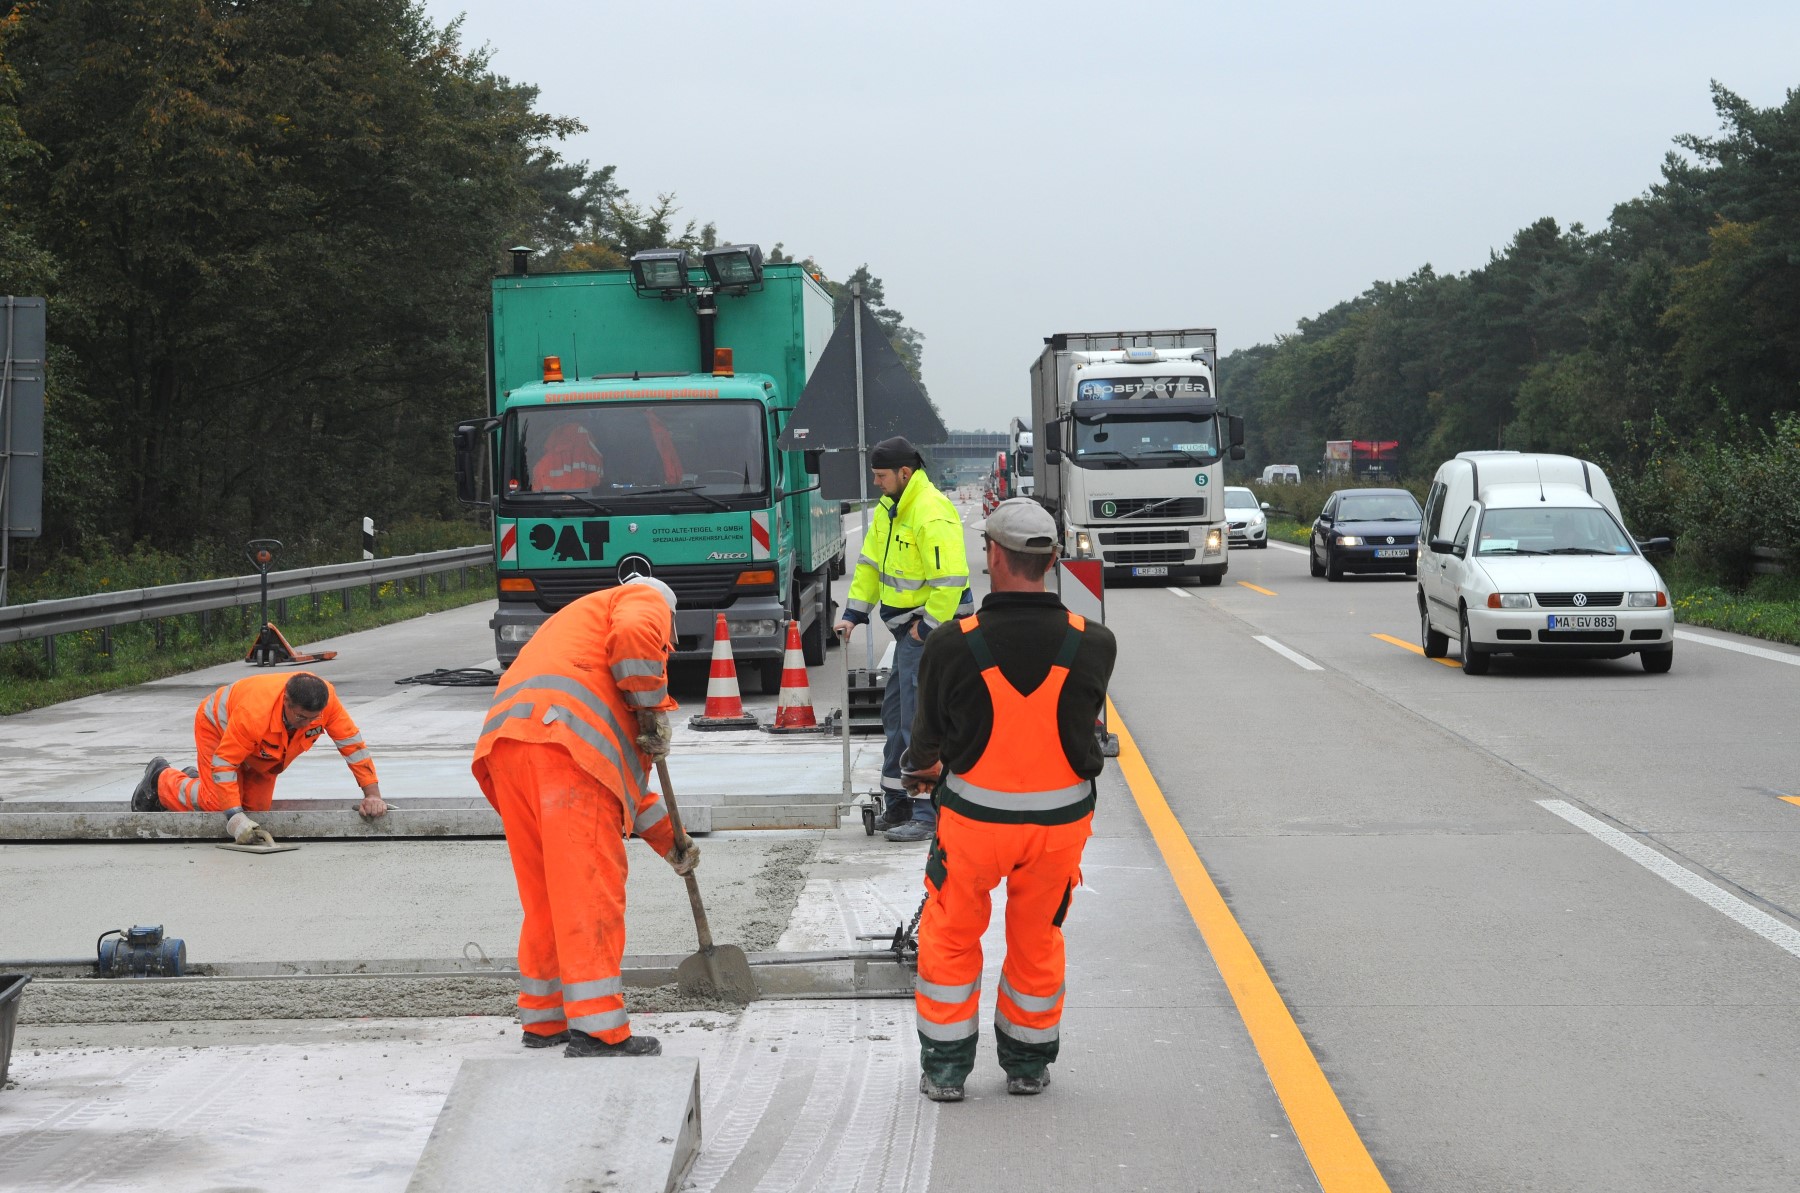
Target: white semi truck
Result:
[[1018, 456], [1129, 450]]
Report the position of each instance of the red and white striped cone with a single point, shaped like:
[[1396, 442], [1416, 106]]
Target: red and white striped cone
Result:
[[793, 707], [724, 706]]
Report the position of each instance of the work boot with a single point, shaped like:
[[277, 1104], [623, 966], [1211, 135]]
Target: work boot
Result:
[[1017, 1083], [582, 1044], [532, 1040], [939, 1093], [912, 830], [144, 798]]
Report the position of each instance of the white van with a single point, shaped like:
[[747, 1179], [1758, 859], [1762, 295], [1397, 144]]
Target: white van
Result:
[[1528, 554], [1281, 474]]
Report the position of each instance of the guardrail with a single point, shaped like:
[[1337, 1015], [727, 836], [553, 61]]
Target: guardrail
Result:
[[105, 610], [1768, 561]]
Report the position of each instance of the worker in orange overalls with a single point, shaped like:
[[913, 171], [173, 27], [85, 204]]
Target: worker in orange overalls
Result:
[[569, 463], [245, 734], [576, 722], [1008, 699]]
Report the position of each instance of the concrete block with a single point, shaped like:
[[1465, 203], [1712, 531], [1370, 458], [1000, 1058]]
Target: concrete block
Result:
[[606, 1125]]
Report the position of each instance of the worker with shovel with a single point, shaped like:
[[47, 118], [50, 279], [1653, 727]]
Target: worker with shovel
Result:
[[246, 733], [576, 723], [1005, 734]]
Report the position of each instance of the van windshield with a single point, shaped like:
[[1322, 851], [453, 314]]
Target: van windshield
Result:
[[1551, 530]]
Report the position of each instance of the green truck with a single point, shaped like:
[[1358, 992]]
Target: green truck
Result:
[[632, 424]]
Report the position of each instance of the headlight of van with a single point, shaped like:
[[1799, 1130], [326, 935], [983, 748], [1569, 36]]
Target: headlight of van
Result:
[[1509, 600], [1646, 600], [1348, 540]]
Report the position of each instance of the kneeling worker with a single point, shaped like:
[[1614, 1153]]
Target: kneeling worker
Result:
[[1005, 733], [576, 722], [245, 734]]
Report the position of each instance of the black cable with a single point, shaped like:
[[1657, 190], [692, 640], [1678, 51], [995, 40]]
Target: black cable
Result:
[[455, 677]]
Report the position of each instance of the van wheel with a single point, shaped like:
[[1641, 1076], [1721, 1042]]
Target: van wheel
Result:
[[1474, 662], [1658, 662], [1435, 644]]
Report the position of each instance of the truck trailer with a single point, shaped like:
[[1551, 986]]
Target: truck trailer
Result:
[[631, 428], [1129, 448]]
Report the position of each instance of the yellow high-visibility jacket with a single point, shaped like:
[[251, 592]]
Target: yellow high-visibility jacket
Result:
[[913, 563]]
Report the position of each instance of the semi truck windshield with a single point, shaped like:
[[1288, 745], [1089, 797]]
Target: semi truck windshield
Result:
[[706, 452], [1137, 441]]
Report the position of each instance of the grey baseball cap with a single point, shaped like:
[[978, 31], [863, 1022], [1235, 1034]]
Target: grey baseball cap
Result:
[[1021, 524]]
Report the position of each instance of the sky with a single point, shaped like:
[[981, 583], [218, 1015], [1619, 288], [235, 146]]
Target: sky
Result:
[[1010, 170]]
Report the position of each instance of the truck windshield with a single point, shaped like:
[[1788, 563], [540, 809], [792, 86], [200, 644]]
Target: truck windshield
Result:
[[1144, 441], [1551, 530], [711, 454]]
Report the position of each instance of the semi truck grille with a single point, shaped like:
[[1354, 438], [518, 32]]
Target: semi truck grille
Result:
[[1121, 507], [1138, 558], [1141, 538], [697, 586], [1566, 600]]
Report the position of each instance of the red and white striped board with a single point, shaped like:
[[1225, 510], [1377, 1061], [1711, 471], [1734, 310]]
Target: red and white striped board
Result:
[[509, 543], [759, 535], [1078, 583]]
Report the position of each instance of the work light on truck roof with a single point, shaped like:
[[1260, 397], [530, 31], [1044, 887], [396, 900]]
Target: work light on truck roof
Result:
[[734, 267], [660, 272]]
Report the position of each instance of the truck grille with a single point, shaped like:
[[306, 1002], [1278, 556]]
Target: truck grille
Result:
[[1142, 538], [697, 586], [1181, 507], [1138, 558], [1566, 600]]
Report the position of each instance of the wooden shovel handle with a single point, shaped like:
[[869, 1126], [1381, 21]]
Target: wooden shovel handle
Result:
[[682, 841]]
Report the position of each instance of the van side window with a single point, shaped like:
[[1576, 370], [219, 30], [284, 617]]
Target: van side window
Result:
[[1463, 531], [1434, 509]]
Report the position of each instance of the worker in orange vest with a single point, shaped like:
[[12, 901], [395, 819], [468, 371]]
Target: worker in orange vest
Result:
[[570, 462], [245, 734], [577, 721], [1008, 699]]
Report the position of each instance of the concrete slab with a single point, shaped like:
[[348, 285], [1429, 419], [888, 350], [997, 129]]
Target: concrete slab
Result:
[[627, 1125]]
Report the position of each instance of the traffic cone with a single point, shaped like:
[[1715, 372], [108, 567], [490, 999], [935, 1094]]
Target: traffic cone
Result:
[[724, 706], [793, 707]]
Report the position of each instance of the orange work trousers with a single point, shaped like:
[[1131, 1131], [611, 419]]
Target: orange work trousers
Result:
[[179, 793], [568, 855], [1041, 866]]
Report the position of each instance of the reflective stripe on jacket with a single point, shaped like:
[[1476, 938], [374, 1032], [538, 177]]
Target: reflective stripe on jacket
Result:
[[579, 684], [246, 715], [912, 559], [1023, 775]]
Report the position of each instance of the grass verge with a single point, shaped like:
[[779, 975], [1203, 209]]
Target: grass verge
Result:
[[84, 666], [1285, 531]]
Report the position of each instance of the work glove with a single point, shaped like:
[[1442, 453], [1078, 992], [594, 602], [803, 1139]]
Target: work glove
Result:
[[923, 782], [684, 860], [654, 733], [245, 831]]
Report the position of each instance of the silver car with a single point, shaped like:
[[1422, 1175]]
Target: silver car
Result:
[[1247, 517]]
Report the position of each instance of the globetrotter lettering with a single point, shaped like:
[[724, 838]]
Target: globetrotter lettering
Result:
[[566, 547]]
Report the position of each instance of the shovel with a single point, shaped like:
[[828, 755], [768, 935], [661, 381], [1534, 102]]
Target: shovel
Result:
[[718, 970]]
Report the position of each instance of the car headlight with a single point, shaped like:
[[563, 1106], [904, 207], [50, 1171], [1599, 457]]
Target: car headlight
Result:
[[1348, 540], [1084, 546], [1646, 600], [1509, 600], [517, 633]]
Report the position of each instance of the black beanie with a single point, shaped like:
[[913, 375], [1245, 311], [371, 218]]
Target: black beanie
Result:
[[895, 453]]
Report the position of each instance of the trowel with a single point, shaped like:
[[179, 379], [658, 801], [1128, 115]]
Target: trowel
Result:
[[719, 971], [260, 842]]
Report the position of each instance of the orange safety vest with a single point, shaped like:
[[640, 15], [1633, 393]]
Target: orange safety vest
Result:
[[570, 463], [579, 684], [1023, 775]]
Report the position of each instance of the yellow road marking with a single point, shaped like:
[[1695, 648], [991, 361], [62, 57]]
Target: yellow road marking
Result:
[[1336, 1152], [1403, 644], [1257, 588], [1792, 799]]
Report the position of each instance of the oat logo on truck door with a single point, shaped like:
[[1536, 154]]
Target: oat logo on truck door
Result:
[[568, 546]]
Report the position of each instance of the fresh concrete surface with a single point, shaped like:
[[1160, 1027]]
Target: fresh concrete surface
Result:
[[514, 1124]]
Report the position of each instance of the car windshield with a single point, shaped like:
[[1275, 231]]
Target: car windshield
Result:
[[706, 453], [1388, 507], [1551, 530], [1240, 499]]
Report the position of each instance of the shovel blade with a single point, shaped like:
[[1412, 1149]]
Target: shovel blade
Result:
[[723, 973]]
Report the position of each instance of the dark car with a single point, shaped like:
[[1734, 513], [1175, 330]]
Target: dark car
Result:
[[1365, 530]]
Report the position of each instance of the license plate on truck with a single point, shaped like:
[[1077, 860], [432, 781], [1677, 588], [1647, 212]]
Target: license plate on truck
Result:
[[1152, 571], [1391, 553], [1583, 621]]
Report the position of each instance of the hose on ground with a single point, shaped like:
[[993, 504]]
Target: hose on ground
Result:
[[455, 677]]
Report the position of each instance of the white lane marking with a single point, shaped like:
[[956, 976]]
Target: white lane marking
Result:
[[1291, 547], [1758, 921], [1792, 660], [1290, 655], [1183, 593]]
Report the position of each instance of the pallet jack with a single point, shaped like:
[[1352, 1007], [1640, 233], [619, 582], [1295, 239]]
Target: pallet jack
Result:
[[270, 649]]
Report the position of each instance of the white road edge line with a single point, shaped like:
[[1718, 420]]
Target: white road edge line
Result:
[[1291, 656], [1758, 921], [1792, 660], [1290, 547]]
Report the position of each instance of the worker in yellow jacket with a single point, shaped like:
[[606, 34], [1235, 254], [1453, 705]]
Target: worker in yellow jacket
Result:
[[914, 572]]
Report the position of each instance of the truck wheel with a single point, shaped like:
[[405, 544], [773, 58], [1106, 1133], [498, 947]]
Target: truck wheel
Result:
[[770, 672], [817, 639], [1211, 581]]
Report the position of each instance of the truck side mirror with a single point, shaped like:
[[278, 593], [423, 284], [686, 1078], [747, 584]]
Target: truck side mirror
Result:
[[811, 460], [1052, 455], [1052, 440], [1237, 451], [470, 440], [1235, 425]]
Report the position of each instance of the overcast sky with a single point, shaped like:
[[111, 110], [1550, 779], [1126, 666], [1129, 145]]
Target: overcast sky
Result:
[[1010, 170]]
